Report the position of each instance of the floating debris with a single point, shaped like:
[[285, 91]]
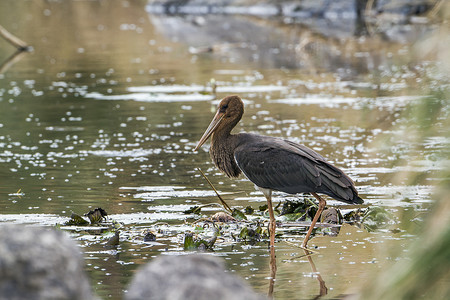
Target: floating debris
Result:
[[332, 216], [113, 241], [97, 215], [248, 210], [222, 217], [19, 193], [376, 217], [238, 215], [150, 237], [253, 234], [76, 220], [246, 225], [194, 242], [193, 210]]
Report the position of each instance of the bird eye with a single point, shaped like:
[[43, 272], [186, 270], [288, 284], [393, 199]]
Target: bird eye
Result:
[[223, 108]]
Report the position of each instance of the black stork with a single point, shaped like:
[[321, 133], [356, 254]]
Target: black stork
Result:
[[273, 163]]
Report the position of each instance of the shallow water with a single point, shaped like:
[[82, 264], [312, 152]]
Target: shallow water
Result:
[[106, 110]]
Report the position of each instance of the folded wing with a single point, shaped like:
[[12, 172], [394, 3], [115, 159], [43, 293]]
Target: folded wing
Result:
[[292, 168]]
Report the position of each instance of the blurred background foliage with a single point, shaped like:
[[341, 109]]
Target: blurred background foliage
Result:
[[426, 274]]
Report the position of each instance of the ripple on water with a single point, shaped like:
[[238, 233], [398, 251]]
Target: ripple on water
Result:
[[145, 218], [232, 88], [408, 195], [150, 196], [150, 193], [182, 93], [150, 97], [125, 153], [158, 188], [175, 88], [356, 102], [64, 128], [41, 219]]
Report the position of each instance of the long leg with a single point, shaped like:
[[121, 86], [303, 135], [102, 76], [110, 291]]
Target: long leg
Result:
[[322, 204], [272, 223], [272, 227]]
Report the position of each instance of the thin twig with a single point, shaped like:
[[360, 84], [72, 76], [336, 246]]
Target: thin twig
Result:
[[161, 223], [10, 61], [437, 6], [217, 193], [15, 41], [311, 202], [367, 14], [299, 246]]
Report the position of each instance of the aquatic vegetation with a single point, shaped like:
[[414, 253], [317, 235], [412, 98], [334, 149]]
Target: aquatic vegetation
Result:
[[76, 220], [222, 228]]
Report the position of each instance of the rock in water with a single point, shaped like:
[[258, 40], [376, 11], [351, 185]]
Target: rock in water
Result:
[[40, 263], [188, 277]]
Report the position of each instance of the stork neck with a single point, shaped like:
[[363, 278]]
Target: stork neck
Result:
[[220, 136], [223, 133], [222, 152]]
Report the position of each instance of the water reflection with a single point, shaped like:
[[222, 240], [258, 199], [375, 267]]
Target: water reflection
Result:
[[323, 290], [273, 271], [10, 61]]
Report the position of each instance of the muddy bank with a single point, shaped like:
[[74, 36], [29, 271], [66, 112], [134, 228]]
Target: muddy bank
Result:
[[309, 35], [299, 9], [312, 44], [331, 18]]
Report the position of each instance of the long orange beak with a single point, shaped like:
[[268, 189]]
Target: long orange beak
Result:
[[212, 126]]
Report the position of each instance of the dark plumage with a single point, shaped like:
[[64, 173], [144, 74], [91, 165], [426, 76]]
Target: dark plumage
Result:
[[273, 163]]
